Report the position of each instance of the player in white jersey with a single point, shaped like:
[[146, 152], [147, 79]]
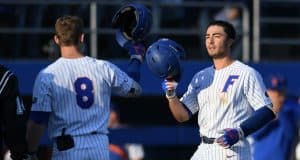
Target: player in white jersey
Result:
[[230, 99], [72, 97]]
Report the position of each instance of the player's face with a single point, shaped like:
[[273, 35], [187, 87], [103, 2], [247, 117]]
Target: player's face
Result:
[[216, 42]]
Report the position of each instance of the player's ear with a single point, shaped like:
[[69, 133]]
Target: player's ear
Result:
[[82, 38], [229, 42], [56, 40]]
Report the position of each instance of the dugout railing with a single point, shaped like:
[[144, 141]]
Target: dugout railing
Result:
[[276, 26]]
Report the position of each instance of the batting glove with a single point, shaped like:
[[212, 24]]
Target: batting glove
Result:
[[169, 86], [136, 51], [230, 137]]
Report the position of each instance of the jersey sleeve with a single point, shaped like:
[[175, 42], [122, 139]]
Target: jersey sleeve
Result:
[[120, 82], [190, 96], [255, 90], [41, 100]]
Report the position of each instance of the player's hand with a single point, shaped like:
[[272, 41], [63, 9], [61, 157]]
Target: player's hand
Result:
[[230, 137], [169, 86], [136, 50]]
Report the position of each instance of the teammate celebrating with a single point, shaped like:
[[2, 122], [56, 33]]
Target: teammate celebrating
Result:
[[282, 133], [229, 96], [13, 117], [72, 96]]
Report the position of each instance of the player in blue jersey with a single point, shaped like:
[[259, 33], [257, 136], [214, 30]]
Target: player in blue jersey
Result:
[[72, 96], [278, 139], [229, 97]]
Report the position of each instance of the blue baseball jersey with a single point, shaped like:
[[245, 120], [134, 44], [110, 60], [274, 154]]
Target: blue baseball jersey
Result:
[[277, 140], [77, 93], [224, 99]]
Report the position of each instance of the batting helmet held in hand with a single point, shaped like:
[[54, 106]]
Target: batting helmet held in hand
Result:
[[163, 58], [134, 22]]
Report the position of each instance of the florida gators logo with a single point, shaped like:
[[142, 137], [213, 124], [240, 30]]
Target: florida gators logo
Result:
[[231, 79]]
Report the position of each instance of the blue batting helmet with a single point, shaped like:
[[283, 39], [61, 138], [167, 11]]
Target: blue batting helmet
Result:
[[163, 58], [134, 22]]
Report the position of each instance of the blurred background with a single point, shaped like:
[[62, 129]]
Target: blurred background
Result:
[[268, 39]]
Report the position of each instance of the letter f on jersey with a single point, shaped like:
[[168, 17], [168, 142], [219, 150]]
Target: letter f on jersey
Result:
[[229, 82]]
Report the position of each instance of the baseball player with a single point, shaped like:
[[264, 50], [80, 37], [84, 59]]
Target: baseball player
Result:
[[72, 97], [230, 98], [13, 115], [281, 134]]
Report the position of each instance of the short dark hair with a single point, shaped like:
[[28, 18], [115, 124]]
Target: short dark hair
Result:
[[68, 29], [228, 28]]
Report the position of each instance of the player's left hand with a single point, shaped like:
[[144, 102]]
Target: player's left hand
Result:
[[136, 50], [230, 137]]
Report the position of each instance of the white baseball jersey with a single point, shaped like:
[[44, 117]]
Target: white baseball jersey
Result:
[[224, 99], [77, 94]]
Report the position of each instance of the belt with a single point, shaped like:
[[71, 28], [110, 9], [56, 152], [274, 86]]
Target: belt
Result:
[[207, 140]]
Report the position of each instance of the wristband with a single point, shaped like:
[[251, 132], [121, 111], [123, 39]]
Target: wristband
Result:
[[170, 94]]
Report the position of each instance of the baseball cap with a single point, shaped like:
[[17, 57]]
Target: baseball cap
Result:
[[276, 82]]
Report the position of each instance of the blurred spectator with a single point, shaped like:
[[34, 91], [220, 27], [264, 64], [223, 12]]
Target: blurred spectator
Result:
[[232, 14], [280, 136], [117, 152]]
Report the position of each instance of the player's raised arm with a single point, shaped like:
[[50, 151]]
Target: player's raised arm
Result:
[[133, 23], [179, 111], [137, 53], [163, 59]]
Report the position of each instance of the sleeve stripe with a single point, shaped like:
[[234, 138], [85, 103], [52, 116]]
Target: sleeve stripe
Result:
[[4, 80]]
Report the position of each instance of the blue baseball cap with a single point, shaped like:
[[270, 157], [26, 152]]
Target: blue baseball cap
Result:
[[276, 82]]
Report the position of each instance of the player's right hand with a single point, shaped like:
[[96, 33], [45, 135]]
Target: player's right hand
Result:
[[136, 50], [169, 86]]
